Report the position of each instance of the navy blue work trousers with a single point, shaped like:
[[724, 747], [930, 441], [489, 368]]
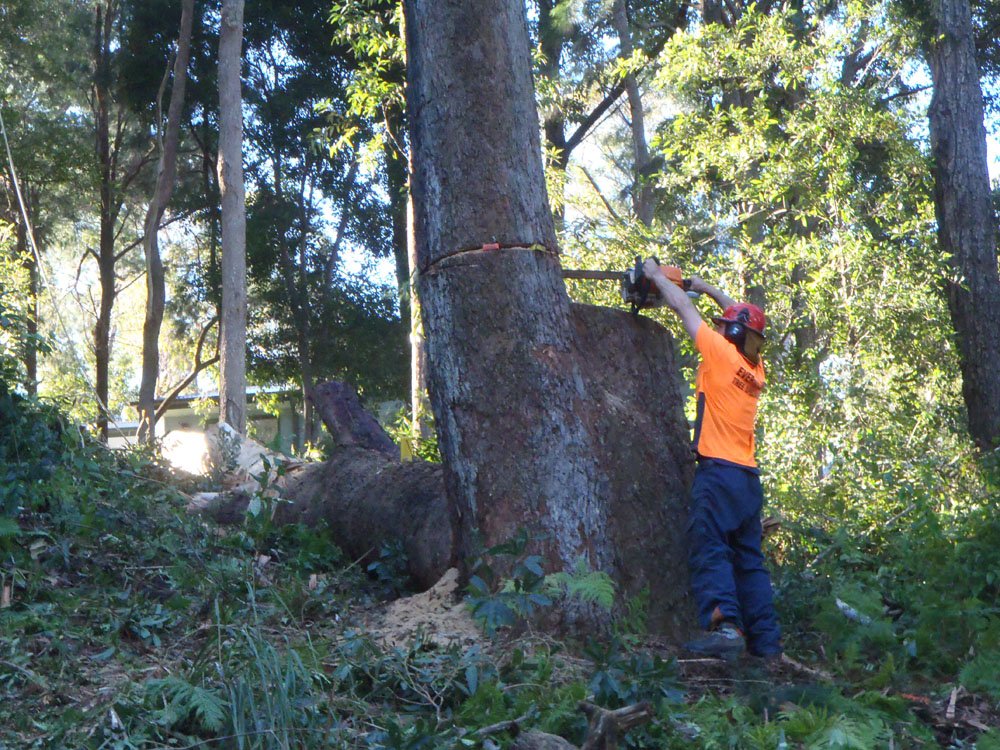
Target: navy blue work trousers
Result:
[[728, 575]]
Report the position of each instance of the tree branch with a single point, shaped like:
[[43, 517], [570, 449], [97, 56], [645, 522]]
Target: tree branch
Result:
[[195, 370], [607, 205], [904, 93]]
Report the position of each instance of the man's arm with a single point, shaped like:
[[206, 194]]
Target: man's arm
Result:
[[703, 287], [676, 299]]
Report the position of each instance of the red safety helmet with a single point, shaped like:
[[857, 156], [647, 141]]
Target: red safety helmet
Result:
[[746, 314]]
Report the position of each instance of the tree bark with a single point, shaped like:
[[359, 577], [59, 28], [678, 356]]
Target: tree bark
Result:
[[30, 265], [155, 284], [104, 23], [966, 223], [232, 347], [540, 426], [363, 494], [421, 412], [347, 421]]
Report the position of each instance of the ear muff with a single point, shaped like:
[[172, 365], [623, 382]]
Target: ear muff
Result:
[[736, 334]]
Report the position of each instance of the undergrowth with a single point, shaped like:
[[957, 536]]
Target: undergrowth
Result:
[[128, 623]]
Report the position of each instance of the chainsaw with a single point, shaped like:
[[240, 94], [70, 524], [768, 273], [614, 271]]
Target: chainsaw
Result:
[[637, 289]]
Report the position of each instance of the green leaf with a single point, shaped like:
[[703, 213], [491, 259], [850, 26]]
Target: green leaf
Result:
[[253, 509], [9, 527]]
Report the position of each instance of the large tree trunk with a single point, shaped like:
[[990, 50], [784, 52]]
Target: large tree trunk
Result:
[[233, 335], [156, 293], [367, 499], [966, 224], [529, 404]]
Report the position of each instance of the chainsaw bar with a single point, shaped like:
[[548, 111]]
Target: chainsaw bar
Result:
[[637, 290]]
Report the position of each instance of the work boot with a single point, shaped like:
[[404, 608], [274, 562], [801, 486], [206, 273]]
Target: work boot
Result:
[[724, 642]]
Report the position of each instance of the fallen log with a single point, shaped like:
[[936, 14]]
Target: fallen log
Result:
[[367, 499], [363, 493]]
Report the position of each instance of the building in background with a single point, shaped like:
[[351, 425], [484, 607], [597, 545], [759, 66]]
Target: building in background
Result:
[[274, 418]]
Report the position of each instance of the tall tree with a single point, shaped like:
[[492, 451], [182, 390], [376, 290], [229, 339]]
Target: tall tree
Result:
[[155, 283], [117, 167], [967, 226], [233, 334], [40, 50], [538, 412]]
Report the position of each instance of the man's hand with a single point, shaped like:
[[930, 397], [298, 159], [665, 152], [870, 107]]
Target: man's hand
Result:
[[652, 269], [701, 286], [676, 299]]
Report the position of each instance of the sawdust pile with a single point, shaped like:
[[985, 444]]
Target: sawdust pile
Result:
[[438, 614]]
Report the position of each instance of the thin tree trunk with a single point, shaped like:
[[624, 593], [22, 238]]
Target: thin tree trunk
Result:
[[642, 192], [155, 283], [421, 412], [966, 223], [199, 365], [106, 244], [31, 351], [421, 422], [305, 328], [396, 184], [233, 384], [530, 398]]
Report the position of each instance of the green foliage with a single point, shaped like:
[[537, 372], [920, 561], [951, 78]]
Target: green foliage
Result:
[[816, 729], [989, 740], [591, 586], [624, 676], [184, 702], [980, 675], [496, 602], [33, 453], [391, 569], [502, 601], [259, 519], [402, 430], [16, 337]]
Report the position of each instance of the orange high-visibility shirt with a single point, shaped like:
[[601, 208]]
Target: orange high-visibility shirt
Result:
[[727, 387]]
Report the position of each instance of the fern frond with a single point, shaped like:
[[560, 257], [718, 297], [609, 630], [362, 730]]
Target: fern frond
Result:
[[209, 708], [849, 734], [591, 586], [184, 700]]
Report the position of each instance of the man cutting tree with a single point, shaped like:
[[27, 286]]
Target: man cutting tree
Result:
[[731, 585]]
